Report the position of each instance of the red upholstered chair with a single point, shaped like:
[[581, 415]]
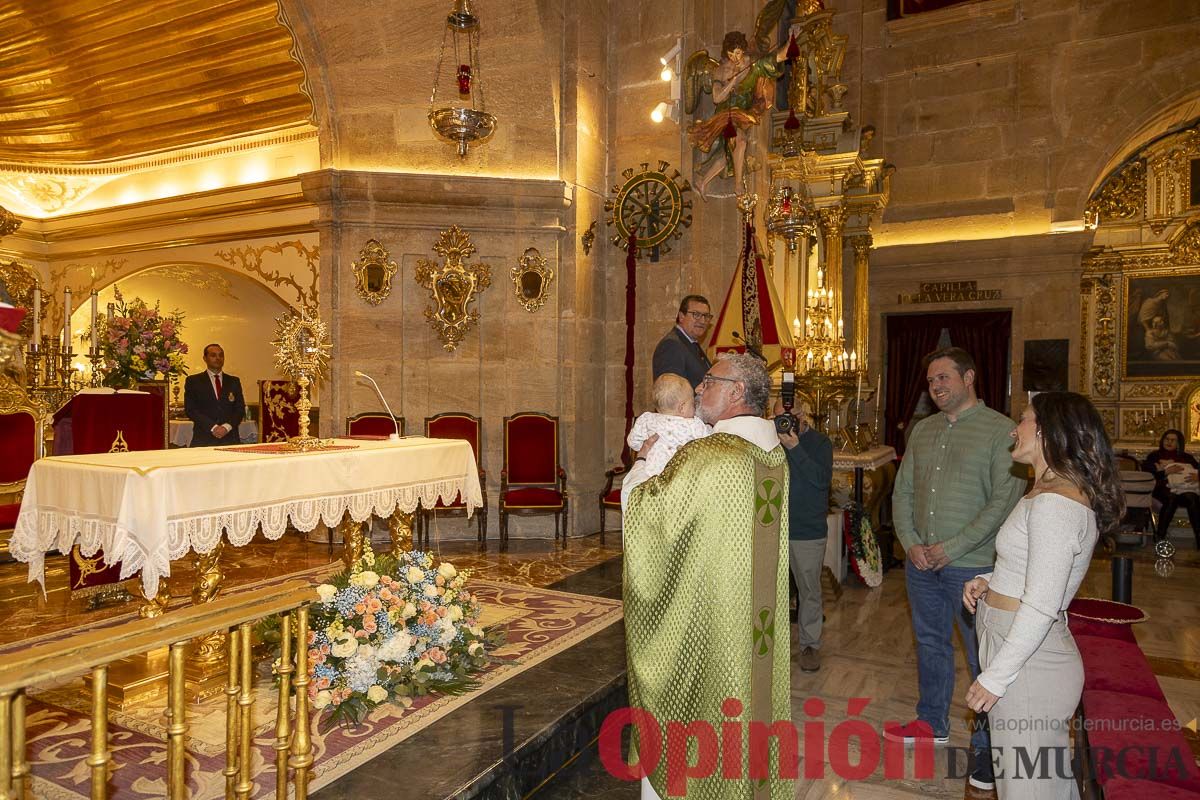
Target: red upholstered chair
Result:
[[610, 498], [278, 418], [20, 446], [373, 423], [532, 482], [455, 425]]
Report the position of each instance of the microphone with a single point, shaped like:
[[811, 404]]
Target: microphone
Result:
[[395, 437], [749, 347]]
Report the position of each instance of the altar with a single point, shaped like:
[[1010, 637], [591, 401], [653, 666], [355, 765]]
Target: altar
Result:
[[149, 508]]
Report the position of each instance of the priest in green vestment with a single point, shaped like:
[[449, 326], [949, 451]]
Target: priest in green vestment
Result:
[[706, 593]]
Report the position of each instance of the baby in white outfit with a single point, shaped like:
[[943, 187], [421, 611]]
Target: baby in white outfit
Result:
[[675, 423]]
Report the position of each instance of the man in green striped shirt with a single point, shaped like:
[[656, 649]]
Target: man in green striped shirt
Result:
[[955, 487]]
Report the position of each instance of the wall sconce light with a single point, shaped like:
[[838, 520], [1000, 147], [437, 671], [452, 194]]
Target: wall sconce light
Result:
[[662, 111], [670, 67]]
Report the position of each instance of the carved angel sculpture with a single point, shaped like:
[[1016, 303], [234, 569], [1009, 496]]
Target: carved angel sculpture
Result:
[[742, 87]]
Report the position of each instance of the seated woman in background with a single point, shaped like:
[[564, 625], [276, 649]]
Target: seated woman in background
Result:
[[1176, 484]]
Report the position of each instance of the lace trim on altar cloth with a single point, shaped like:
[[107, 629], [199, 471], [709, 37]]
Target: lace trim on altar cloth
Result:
[[56, 530]]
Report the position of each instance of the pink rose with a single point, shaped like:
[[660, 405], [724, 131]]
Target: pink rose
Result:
[[436, 654]]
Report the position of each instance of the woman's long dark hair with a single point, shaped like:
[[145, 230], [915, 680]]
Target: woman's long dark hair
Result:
[[1077, 448], [1178, 439]]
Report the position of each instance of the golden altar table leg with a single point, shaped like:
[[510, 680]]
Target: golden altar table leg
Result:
[[206, 668], [155, 606], [352, 540], [400, 526]]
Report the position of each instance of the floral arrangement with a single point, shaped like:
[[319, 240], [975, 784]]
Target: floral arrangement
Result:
[[863, 547], [392, 629], [139, 342]]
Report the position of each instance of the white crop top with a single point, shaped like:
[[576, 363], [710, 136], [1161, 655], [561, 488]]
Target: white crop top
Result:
[[1042, 553]]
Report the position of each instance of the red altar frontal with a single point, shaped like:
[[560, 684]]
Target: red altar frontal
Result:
[[106, 423]]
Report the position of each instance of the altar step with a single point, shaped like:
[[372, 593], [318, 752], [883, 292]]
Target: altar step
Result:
[[524, 734]]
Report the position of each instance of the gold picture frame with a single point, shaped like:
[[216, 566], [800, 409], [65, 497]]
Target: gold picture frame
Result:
[[373, 272], [453, 286], [532, 278]]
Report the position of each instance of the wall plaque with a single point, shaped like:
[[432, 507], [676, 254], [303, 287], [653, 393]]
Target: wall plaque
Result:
[[948, 292]]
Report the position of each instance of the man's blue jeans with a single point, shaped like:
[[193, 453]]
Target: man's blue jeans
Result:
[[936, 601]]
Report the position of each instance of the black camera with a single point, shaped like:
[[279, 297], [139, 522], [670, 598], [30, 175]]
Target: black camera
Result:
[[787, 421]]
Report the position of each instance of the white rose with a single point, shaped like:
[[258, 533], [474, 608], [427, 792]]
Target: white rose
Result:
[[409, 611], [431, 591], [344, 647], [326, 591], [455, 613], [377, 694], [366, 579], [475, 648], [447, 570], [476, 631], [415, 574], [322, 699]]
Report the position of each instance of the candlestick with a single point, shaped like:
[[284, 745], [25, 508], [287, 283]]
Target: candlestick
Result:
[[858, 392], [67, 319], [37, 316], [95, 309]]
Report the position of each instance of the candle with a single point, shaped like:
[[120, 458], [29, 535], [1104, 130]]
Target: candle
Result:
[[854, 367], [37, 316], [840, 327], [95, 309], [67, 319], [858, 392], [820, 279], [796, 327]]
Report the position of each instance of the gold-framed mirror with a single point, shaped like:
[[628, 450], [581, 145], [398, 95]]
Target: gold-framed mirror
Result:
[[532, 279], [373, 272]]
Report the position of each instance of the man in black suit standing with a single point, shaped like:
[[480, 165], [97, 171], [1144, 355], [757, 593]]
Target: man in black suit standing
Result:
[[213, 402], [680, 352]]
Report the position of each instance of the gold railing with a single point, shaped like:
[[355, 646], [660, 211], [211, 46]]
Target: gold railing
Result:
[[94, 652]]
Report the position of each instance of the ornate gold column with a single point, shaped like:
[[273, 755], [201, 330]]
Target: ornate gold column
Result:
[[862, 249], [352, 540], [832, 220]]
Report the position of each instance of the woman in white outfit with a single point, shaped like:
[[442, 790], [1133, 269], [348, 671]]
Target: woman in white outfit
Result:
[[1032, 676]]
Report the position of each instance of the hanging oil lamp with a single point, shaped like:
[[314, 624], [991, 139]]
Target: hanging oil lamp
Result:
[[464, 121]]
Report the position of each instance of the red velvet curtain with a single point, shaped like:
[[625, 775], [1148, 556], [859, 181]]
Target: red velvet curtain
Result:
[[986, 335]]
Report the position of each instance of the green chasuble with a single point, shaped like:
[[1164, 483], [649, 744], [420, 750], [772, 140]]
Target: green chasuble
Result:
[[706, 598]]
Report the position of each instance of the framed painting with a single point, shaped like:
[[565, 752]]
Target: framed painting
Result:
[[1161, 325]]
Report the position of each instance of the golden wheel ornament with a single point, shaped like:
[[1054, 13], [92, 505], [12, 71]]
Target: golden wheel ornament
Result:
[[650, 203], [302, 353]]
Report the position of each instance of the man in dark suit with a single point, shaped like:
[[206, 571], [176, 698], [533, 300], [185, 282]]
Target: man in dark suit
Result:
[[213, 402], [680, 352]]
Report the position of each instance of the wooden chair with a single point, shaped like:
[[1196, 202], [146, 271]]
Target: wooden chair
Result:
[[456, 425], [373, 423], [610, 498], [532, 481], [21, 444]]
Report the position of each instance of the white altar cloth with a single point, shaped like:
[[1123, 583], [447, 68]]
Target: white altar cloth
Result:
[[149, 507]]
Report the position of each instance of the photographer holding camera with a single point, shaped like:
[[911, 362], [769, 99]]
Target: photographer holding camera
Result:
[[810, 464]]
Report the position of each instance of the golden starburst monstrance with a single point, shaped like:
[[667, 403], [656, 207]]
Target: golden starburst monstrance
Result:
[[302, 353]]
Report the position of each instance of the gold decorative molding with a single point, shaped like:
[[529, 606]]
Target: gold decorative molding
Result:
[[9, 222], [250, 259], [589, 238], [1185, 250], [532, 279], [1123, 196], [1104, 360], [373, 272], [453, 286]]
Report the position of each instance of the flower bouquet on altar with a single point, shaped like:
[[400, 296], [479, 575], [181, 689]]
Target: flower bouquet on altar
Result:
[[390, 630], [140, 343]]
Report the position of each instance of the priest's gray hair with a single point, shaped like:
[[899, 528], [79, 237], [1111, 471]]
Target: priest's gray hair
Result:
[[752, 373]]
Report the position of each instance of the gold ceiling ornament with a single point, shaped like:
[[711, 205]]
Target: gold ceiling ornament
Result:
[[82, 76], [373, 272], [465, 121], [532, 279], [302, 353], [453, 285]]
